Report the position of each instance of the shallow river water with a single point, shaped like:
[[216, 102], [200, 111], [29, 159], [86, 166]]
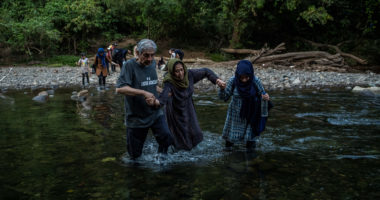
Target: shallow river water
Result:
[[317, 145]]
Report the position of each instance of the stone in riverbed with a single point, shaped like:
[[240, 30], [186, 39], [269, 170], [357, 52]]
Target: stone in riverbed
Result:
[[296, 81], [43, 93], [369, 90], [50, 92], [40, 99]]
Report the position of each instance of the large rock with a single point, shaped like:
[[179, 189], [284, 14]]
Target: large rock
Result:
[[50, 92], [368, 90], [80, 96], [42, 97], [43, 93], [83, 93]]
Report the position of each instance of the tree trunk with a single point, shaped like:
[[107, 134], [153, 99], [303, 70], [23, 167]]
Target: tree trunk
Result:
[[235, 40], [75, 46]]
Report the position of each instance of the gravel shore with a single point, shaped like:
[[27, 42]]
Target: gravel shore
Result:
[[272, 79]]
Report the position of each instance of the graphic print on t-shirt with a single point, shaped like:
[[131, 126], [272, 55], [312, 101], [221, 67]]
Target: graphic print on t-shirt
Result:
[[148, 82]]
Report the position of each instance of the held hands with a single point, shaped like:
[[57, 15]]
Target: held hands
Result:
[[265, 96], [151, 99], [221, 84]]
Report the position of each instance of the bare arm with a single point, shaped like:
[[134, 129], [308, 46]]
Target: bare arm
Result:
[[130, 91], [127, 90], [112, 62]]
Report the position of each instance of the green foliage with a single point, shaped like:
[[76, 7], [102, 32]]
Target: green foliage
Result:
[[49, 27], [32, 33], [218, 57], [315, 15], [61, 60]]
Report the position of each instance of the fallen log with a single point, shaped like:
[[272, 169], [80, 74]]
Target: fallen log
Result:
[[337, 49], [293, 56], [240, 51], [265, 50], [303, 59]]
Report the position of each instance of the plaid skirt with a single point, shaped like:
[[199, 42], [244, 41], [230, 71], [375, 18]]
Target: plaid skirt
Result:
[[236, 129]]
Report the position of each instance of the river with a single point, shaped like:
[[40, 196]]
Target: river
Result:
[[317, 145]]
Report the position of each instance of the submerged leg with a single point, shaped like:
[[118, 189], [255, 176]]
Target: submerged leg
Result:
[[135, 141], [251, 145], [228, 146]]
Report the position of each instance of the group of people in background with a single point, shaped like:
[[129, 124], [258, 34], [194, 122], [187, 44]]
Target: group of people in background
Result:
[[111, 57], [171, 114]]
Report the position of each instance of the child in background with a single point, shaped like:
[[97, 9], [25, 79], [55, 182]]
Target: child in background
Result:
[[244, 121], [172, 53], [84, 66]]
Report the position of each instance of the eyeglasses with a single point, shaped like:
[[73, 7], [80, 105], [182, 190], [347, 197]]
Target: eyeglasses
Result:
[[147, 55]]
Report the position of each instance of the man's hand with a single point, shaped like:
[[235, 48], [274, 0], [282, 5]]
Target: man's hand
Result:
[[150, 101], [127, 90], [149, 98], [221, 84]]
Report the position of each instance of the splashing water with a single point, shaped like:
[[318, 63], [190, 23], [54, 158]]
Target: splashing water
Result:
[[209, 150]]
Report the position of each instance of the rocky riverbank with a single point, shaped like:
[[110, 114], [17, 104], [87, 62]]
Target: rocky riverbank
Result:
[[272, 79]]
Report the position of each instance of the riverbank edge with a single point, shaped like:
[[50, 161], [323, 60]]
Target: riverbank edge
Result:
[[21, 78]]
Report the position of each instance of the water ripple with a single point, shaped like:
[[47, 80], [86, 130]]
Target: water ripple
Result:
[[342, 119]]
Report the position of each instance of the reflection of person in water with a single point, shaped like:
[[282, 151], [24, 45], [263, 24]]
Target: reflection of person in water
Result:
[[102, 112], [83, 104]]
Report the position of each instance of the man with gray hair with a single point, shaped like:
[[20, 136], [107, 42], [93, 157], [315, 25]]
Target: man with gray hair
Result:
[[138, 81]]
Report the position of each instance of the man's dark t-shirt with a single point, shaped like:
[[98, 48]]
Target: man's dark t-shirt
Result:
[[138, 114]]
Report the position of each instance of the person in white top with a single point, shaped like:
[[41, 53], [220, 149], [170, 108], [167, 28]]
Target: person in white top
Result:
[[172, 53], [84, 68]]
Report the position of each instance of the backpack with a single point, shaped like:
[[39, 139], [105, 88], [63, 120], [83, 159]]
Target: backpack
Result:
[[118, 54]]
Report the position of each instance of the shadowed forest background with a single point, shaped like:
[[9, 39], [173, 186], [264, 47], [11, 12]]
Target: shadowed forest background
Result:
[[36, 29]]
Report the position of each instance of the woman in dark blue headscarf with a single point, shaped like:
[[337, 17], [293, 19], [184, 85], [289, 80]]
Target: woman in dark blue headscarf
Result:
[[243, 82], [244, 113], [101, 66]]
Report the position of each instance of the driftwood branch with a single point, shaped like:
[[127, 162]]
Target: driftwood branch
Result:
[[307, 58], [265, 51], [240, 51], [302, 58], [336, 48]]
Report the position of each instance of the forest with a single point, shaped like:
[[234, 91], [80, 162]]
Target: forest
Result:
[[41, 28]]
